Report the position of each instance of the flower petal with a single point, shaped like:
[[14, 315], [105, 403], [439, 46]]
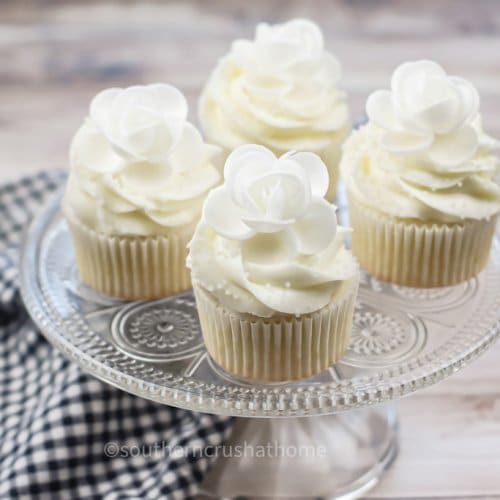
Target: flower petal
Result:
[[169, 99], [454, 148], [380, 110], [281, 193], [90, 149], [486, 142], [189, 152], [244, 154], [469, 95], [317, 228], [100, 107], [404, 75], [266, 224], [315, 169], [243, 165], [408, 84], [151, 142], [405, 142], [224, 216], [442, 117]]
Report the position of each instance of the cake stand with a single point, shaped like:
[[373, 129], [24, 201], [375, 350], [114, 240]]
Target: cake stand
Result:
[[332, 435]]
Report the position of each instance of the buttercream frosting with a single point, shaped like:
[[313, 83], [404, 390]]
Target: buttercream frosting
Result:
[[138, 167], [424, 155], [279, 90], [268, 242]]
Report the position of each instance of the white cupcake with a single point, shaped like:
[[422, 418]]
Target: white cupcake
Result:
[[274, 285], [139, 175], [279, 90], [420, 178]]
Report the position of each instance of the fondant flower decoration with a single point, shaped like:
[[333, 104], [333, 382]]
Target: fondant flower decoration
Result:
[[427, 111], [136, 151], [291, 47], [263, 194], [145, 123]]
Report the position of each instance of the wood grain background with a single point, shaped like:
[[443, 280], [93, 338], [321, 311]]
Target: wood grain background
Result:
[[54, 56]]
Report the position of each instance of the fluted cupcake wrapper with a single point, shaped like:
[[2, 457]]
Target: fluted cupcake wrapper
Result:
[[419, 255], [130, 267], [277, 348]]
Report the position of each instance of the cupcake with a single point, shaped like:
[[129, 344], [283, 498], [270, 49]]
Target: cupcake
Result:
[[420, 176], [274, 285], [279, 90], [139, 175]]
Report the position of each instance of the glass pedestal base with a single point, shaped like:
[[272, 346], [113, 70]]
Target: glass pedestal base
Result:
[[331, 456], [320, 437]]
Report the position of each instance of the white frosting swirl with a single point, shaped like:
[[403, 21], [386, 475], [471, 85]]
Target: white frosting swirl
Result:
[[424, 154], [278, 90], [268, 241], [137, 165]]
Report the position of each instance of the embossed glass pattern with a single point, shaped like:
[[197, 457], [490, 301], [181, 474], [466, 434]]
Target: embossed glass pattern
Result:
[[403, 339]]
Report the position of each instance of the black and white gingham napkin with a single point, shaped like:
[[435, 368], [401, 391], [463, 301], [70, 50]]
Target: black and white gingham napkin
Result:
[[59, 427]]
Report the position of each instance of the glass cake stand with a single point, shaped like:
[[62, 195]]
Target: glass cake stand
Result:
[[330, 436]]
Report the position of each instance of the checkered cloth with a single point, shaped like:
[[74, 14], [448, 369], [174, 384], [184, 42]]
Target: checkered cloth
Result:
[[55, 420]]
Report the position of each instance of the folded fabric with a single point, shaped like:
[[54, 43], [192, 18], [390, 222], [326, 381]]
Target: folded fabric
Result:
[[65, 434]]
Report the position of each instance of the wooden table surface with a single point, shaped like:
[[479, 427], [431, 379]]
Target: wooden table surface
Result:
[[55, 56]]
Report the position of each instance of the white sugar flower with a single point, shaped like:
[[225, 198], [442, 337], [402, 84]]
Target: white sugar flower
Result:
[[142, 121], [147, 123], [266, 194], [427, 111], [136, 153], [142, 128]]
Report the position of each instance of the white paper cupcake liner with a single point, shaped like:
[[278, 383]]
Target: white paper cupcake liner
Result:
[[419, 255], [277, 348], [130, 267]]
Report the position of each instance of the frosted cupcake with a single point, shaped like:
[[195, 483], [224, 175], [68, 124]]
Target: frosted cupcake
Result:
[[274, 285], [423, 201], [279, 90], [139, 175]]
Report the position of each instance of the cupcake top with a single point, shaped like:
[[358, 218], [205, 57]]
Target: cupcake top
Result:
[[279, 90], [268, 242], [138, 167], [423, 154]]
